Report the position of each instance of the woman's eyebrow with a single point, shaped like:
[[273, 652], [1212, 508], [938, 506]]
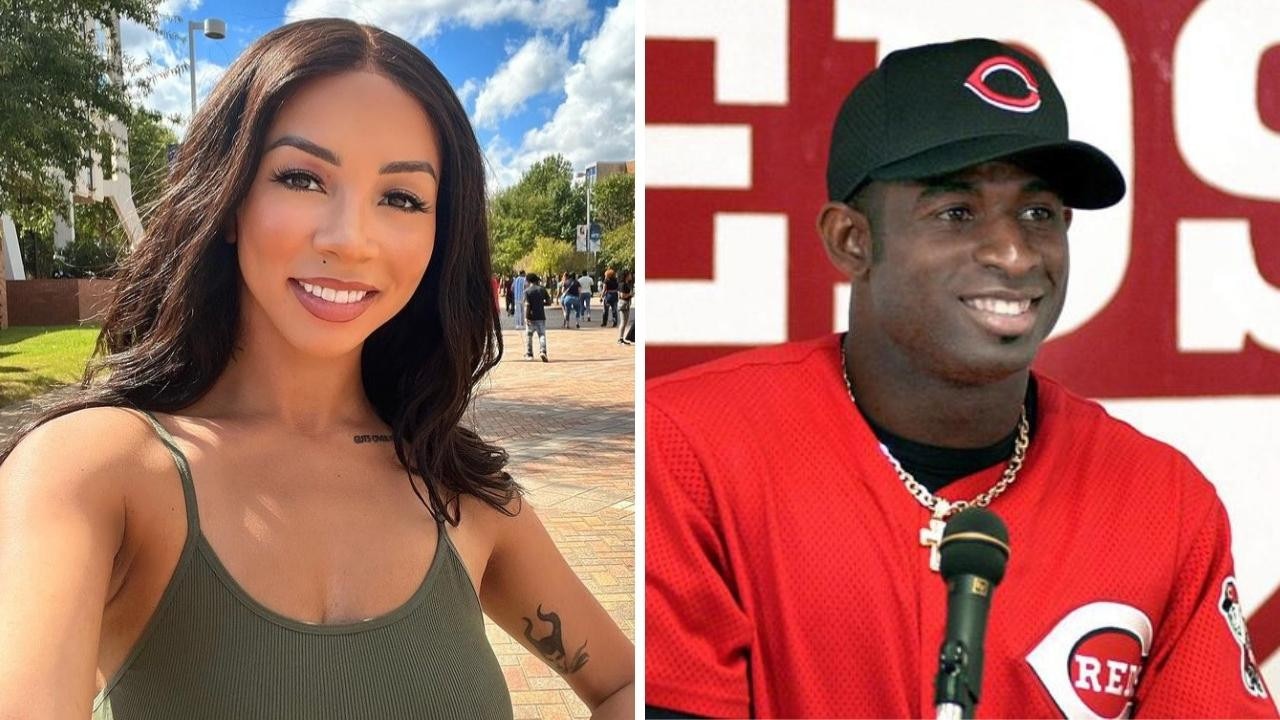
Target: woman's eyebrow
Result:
[[402, 166], [306, 146]]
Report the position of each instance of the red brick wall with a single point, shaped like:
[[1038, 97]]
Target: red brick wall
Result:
[[56, 302], [94, 296]]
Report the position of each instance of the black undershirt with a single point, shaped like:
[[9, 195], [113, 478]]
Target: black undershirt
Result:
[[935, 467], [932, 466]]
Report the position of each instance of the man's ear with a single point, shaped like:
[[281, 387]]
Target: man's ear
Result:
[[846, 236]]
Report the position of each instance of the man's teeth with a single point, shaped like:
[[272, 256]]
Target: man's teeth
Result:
[[999, 307], [340, 297]]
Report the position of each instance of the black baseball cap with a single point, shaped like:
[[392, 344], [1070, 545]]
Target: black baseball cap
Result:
[[936, 109]]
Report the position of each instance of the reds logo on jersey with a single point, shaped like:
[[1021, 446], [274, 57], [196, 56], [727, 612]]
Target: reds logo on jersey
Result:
[[1091, 662], [977, 82], [1229, 606]]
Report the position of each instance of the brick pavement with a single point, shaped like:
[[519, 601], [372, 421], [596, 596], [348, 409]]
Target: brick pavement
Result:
[[568, 426]]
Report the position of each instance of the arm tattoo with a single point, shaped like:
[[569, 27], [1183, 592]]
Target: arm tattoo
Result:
[[551, 647], [360, 439]]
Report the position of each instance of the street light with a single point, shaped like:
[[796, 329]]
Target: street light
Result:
[[214, 29]]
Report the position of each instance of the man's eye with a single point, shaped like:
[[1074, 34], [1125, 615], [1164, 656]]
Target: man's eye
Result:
[[1038, 214], [297, 180], [956, 214]]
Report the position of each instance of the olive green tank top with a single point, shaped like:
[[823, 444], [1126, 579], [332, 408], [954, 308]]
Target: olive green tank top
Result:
[[212, 651]]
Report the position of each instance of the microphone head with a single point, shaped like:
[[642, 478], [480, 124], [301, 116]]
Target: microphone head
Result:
[[975, 542]]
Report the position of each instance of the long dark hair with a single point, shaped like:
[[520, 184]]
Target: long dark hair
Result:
[[172, 323]]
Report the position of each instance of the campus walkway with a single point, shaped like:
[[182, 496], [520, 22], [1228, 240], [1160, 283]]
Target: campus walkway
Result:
[[568, 427]]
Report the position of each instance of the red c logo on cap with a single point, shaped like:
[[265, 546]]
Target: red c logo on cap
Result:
[[977, 82]]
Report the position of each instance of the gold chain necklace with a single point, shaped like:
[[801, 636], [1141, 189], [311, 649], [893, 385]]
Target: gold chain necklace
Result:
[[931, 537]]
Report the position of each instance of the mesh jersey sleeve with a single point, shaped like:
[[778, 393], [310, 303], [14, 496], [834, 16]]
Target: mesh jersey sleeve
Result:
[[1202, 664], [697, 637]]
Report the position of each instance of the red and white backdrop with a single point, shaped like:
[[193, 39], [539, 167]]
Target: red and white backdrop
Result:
[[1173, 313]]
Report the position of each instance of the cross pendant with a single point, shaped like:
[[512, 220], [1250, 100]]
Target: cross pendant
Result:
[[930, 537]]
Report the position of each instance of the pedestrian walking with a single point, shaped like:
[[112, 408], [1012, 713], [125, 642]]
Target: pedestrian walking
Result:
[[517, 287], [609, 298], [570, 300], [536, 300], [626, 296], [586, 285]]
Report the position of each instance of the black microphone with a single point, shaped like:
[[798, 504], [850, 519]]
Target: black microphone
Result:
[[975, 549]]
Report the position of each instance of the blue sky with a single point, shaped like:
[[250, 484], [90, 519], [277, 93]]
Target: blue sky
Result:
[[537, 76]]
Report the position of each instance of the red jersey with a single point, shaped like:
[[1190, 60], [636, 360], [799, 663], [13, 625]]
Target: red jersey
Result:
[[785, 575]]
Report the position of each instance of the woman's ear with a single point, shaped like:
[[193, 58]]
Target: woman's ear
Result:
[[231, 233], [846, 236]]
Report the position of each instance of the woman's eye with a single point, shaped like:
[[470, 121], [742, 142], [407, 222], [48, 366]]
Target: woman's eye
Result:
[[406, 202], [297, 180]]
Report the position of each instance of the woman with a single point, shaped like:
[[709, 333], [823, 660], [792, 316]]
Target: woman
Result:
[[610, 297], [626, 293], [569, 301], [299, 334]]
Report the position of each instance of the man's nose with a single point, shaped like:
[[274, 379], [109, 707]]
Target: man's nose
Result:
[[1007, 246]]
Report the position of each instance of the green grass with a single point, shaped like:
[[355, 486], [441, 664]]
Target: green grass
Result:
[[36, 359]]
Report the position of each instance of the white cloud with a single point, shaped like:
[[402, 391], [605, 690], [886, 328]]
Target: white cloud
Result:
[[417, 20], [177, 7], [538, 66], [467, 91], [503, 168], [597, 119]]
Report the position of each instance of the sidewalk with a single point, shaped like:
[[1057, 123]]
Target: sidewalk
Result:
[[568, 427]]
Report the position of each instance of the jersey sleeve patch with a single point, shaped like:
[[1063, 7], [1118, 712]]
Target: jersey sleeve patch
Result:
[[1229, 606]]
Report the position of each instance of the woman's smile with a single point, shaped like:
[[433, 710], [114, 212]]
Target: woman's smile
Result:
[[329, 303]]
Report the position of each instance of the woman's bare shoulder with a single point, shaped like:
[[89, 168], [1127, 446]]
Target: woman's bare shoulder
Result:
[[64, 498], [99, 448]]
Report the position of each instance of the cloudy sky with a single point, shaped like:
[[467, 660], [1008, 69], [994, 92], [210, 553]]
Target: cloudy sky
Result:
[[537, 76]]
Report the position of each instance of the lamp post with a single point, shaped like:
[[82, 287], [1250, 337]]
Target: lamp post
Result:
[[214, 29]]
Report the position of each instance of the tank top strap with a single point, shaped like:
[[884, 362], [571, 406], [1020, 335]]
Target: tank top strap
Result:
[[184, 470]]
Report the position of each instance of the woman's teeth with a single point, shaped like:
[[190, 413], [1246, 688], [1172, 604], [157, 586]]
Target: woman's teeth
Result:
[[341, 297]]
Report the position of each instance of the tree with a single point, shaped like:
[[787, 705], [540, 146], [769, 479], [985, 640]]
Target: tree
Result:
[[100, 241], [613, 201], [618, 247], [149, 141], [550, 257], [56, 83], [510, 239], [545, 197]]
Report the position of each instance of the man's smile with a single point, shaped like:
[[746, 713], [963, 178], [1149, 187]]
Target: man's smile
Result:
[[1005, 313]]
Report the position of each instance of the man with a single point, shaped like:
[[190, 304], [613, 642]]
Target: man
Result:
[[586, 285], [796, 493], [534, 311], [518, 287]]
